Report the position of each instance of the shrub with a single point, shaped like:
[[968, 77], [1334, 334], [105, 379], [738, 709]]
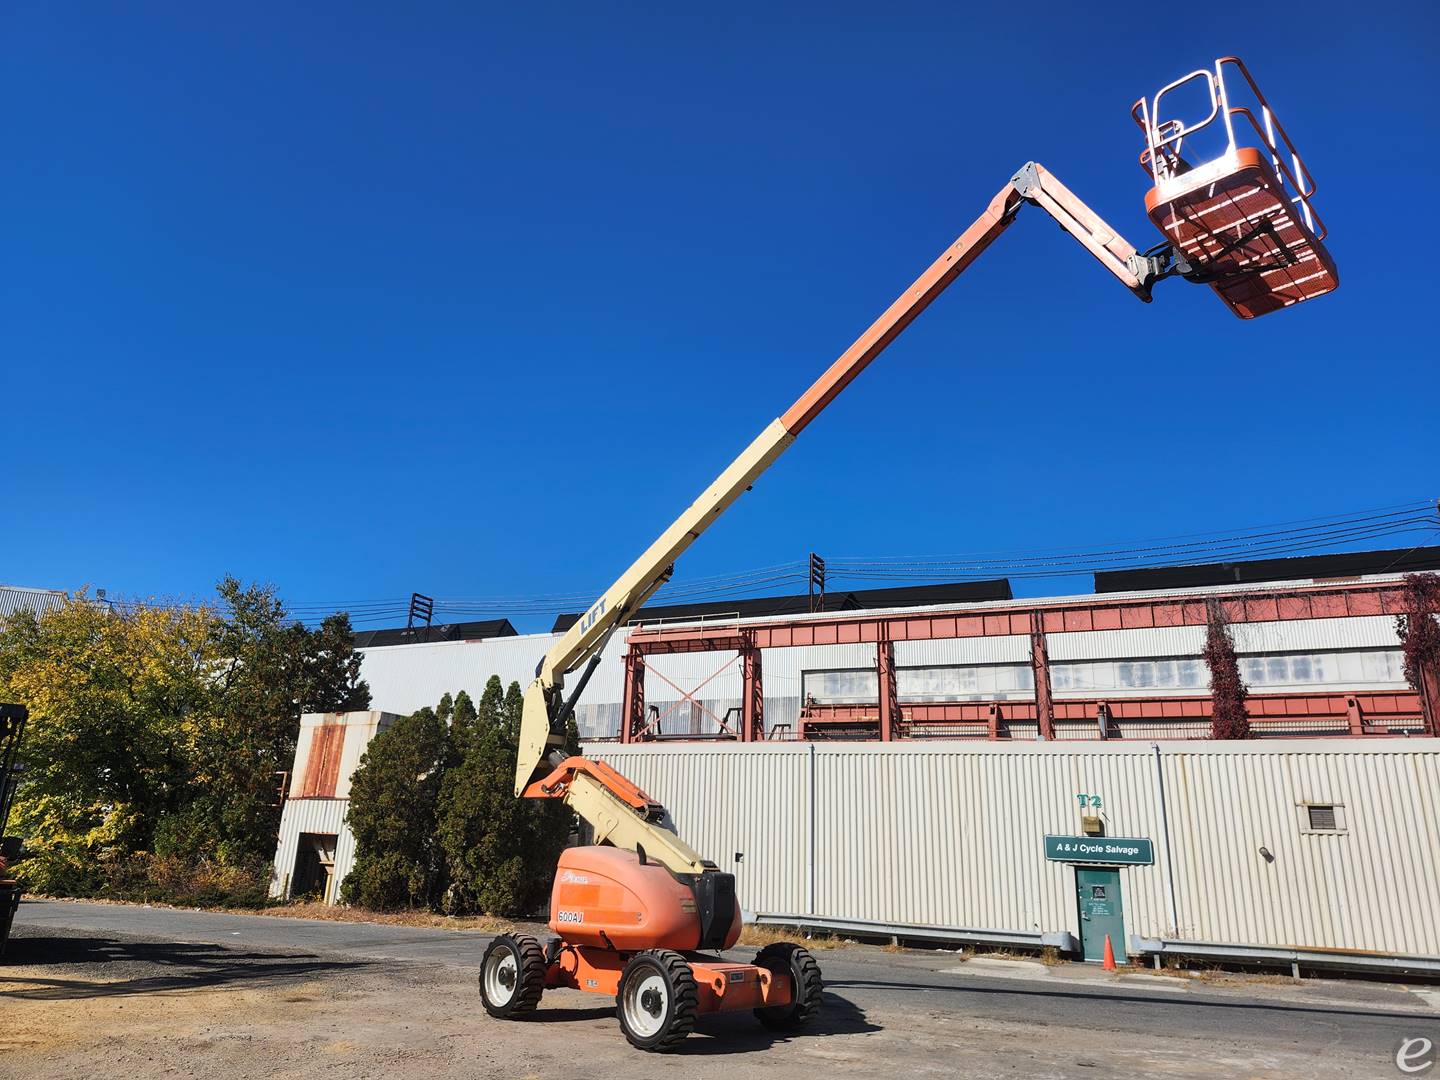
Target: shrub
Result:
[[144, 877], [500, 851], [393, 797]]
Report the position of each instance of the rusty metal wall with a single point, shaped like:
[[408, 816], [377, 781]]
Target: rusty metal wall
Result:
[[323, 814]]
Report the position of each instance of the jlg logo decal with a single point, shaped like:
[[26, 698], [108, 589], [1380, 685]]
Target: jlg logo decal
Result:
[[570, 916]]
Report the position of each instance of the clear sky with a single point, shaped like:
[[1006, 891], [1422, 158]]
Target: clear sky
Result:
[[471, 299]]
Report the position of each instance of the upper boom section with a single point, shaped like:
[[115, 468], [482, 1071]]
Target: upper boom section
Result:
[[1033, 184]]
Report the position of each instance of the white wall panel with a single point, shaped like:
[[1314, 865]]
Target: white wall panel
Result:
[[1120, 644], [940, 652], [1374, 886], [404, 678], [952, 834], [1301, 635], [722, 802]]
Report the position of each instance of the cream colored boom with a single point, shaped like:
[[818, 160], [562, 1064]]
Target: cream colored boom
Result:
[[582, 641]]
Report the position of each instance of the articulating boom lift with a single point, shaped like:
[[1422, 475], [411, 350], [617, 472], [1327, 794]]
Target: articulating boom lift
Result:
[[635, 913]]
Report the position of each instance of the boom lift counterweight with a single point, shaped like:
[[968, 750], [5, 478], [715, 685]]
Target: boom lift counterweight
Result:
[[635, 913]]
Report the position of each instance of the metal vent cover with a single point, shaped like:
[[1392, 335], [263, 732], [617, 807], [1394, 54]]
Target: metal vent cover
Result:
[[1322, 818]]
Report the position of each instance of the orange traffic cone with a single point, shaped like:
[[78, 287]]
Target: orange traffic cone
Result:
[[1109, 964]]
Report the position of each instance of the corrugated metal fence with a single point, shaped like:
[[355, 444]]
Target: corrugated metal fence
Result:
[[950, 835]]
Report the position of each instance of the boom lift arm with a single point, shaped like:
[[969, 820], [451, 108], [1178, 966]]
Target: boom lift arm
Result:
[[619, 812]]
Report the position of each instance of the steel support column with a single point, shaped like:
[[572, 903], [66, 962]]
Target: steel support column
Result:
[[752, 697], [1430, 699], [1040, 666], [1354, 715], [632, 707], [889, 694]]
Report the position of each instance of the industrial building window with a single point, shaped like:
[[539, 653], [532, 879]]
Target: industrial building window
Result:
[[1382, 665], [982, 682], [856, 687], [1343, 667], [1349, 668], [1178, 673], [1288, 669]]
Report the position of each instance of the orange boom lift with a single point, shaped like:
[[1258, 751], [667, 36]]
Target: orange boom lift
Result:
[[642, 915]]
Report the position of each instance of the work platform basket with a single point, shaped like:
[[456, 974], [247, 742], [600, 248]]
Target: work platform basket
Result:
[[1231, 193]]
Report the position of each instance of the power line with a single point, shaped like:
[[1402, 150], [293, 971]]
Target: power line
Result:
[[1300, 536]]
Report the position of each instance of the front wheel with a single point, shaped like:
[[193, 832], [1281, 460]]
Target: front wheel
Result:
[[658, 1000], [787, 958], [512, 976]]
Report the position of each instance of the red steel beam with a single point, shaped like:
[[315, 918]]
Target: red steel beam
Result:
[[632, 705], [1306, 602], [752, 696], [888, 692], [1430, 698], [1379, 708]]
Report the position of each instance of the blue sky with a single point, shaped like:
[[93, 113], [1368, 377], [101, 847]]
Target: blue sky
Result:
[[369, 298]]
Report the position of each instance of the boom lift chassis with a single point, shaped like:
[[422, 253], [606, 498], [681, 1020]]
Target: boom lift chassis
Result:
[[637, 915]]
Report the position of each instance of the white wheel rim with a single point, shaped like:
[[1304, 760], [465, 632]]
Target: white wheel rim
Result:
[[501, 976], [647, 1001]]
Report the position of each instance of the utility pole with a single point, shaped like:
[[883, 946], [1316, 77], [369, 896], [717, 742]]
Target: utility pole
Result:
[[817, 583], [422, 610]]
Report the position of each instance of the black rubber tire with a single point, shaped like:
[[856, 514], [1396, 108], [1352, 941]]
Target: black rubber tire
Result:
[[529, 975], [787, 958], [681, 1009]]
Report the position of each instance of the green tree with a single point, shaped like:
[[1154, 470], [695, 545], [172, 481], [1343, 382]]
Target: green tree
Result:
[[268, 669], [500, 851], [158, 729], [115, 696], [393, 800]]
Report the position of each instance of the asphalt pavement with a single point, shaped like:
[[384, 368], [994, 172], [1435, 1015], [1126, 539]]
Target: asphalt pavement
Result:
[[1372, 1018]]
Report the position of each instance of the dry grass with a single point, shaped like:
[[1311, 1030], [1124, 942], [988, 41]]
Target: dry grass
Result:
[[300, 909], [758, 935], [335, 913]]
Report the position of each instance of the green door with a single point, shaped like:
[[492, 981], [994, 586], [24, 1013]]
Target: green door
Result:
[[1098, 893]]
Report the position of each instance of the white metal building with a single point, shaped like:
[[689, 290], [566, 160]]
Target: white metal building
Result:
[[1296, 656], [15, 598], [1298, 849]]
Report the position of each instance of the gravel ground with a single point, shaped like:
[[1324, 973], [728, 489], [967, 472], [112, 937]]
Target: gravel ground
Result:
[[79, 1004]]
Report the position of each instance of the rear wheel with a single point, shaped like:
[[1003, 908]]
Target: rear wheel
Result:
[[512, 976], [658, 1001], [787, 958]]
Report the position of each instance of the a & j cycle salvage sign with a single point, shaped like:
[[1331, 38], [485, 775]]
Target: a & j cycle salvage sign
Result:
[[1116, 850]]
